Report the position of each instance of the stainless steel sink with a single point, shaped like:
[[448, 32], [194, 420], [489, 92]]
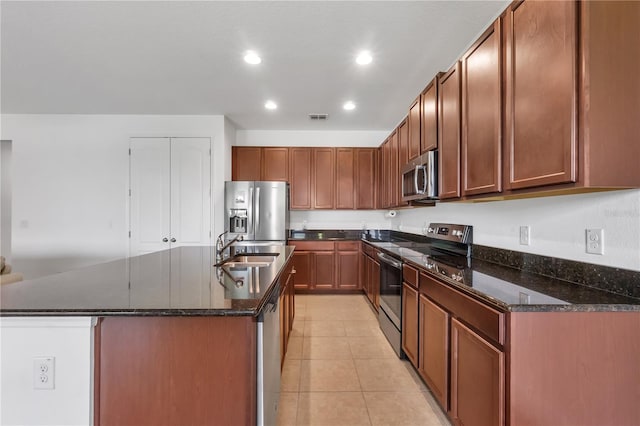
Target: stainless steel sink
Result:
[[249, 260]]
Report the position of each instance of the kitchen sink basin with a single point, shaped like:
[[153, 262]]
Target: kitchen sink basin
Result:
[[250, 260]]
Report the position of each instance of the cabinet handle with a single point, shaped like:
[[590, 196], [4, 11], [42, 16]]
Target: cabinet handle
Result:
[[165, 240], [173, 240]]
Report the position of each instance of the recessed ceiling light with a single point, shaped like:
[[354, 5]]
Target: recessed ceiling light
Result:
[[252, 58], [270, 105], [364, 58], [349, 106]]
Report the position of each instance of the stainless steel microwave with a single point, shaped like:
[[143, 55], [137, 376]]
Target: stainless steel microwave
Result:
[[420, 178]]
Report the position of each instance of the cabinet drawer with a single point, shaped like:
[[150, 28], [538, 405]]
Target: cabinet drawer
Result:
[[313, 245], [486, 320], [368, 250], [410, 275], [347, 245]]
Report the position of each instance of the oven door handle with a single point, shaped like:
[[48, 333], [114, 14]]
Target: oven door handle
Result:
[[389, 260]]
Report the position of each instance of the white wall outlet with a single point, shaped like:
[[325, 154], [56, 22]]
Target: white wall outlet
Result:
[[44, 372], [525, 235], [595, 241]]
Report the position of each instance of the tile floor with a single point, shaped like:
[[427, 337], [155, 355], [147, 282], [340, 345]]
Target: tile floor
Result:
[[340, 370]]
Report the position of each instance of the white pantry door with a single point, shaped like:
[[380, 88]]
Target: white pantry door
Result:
[[170, 198]]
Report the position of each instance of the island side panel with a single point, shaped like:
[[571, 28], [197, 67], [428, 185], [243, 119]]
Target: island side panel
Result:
[[176, 370], [574, 368]]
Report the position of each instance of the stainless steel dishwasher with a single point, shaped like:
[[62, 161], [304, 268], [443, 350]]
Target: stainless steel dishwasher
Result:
[[269, 362]]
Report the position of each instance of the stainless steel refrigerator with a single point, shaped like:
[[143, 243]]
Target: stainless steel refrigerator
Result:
[[258, 211]]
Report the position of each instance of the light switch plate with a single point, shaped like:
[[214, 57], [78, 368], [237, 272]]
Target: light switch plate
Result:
[[525, 236]]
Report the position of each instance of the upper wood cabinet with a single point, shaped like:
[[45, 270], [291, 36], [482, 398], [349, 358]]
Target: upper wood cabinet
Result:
[[324, 166], [414, 120], [482, 114], [246, 163], [541, 84], [257, 163], [403, 143], [300, 178], [429, 117], [394, 170], [275, 164], [366, 166], [345, 178], [449, 133]]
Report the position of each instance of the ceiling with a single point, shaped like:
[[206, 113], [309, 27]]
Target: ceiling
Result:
[[186, 57]]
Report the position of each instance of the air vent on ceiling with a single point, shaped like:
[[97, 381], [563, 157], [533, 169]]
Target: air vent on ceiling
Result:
[[319, 117]]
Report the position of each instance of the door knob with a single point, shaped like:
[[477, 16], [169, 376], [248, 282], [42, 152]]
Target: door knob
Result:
[[165, 239], [173, 240]]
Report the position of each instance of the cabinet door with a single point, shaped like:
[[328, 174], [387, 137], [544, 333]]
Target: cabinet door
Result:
[[366, 177], [449, 133], [246, 163], [375, 287], [302, 264], [482, 115], [345, 178], [300, 178], [541, 96], [410, 323], [323, 178], [363, 273], [429, 123], [275, 164], [477, 379], [403, 143], [434, 349], [393, 177], [324, 270], [414, 128], [348, 270], [384, 174], [403, 159]]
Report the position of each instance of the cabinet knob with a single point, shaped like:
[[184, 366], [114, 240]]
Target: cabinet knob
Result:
[[173, 240], [165, 239], [293, 271]]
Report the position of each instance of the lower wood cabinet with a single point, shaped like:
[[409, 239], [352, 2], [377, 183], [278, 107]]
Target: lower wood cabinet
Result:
[[410, 323], [326, 265], [287, 307], [433, 364], [371, 275], [477, 378], [175, 370]]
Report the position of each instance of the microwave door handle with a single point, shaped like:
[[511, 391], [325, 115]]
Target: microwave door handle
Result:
[[423, 189], [415, 180], [428, 179]]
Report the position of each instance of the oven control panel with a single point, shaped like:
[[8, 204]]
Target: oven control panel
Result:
[[450, 232]]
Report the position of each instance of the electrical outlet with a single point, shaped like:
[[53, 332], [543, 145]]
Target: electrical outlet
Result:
[[525, 236], [44, 372], [595, 241]]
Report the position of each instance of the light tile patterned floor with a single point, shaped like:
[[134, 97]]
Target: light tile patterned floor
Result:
[[340, 370]]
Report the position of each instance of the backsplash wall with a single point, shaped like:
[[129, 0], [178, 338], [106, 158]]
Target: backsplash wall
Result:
[[557, 224]]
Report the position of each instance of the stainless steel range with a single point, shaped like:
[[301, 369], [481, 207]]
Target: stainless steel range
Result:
[[445, 253]]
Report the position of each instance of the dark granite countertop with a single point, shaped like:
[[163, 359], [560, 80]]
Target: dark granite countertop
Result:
[[176, 282], [501, 286]]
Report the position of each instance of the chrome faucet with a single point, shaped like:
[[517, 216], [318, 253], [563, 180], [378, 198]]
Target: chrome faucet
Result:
[[221, 246]]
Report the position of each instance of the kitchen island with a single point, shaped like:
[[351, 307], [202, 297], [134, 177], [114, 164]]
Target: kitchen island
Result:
[[175, 339]]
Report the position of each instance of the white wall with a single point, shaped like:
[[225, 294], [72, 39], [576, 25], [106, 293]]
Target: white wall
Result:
[[70, 183], [348, 138], [70, 341], [5, 200], [557, 224]]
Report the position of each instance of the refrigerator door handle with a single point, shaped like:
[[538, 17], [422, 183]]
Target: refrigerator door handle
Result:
[[257, 207], [250, 214]]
